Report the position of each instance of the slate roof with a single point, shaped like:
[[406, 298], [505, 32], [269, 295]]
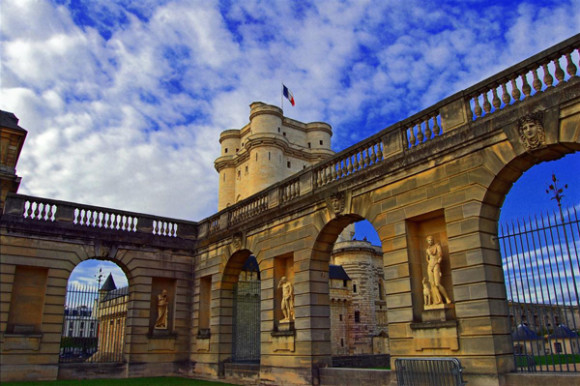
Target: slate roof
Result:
[[109, 284], [337, 272], [563, 331], [523, 332]]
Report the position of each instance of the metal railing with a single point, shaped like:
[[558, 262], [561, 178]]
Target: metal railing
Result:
[[429, 372], [542, 274], [94, 325]]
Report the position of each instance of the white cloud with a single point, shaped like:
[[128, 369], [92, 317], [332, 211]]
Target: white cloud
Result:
[[125, 111]]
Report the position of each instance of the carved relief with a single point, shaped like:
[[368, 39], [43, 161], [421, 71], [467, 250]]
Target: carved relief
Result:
[[162, 305], [337, 203], [531, 131], [237, 241], [434, 256]]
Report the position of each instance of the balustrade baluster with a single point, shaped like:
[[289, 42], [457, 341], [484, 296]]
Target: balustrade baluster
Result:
[[486, 104], [558, 72], [570, 68], [367, 159], [373, 155], [348, 164], [526, 89], [476, 107], [36, 210], [495, 101], [536, 82], [548, 79], [41, 211], [505, 96], [420, 135], [356, 165], [319, 178], [412, 138], [380, 150], [428, 131], [516, 94], [333, 172], [436, 128]]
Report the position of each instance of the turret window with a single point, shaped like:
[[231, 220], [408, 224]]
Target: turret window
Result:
[[289, 164], [321, 142]]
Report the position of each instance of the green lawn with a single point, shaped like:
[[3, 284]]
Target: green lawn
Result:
[[163, 381], [556, 359]]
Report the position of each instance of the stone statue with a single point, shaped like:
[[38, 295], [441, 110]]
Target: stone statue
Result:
[[434, 255], [287, 305], [426, 292], [531, 131], [162, 304]]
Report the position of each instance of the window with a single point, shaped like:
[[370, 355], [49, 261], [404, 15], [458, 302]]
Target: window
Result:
[[226, 150], [340, 317], [284, 134], [289, 164], [321, 142], [341, 342], [354, 288], [558, 347], [345, 283], [357, 316], [309, 146]]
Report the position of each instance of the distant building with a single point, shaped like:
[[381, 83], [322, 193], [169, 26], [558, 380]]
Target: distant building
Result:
[[112, 314]]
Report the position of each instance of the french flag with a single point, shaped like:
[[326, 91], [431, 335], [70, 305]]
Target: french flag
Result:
[[288, 94]]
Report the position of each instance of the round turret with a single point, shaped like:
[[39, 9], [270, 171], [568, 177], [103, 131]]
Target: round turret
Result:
[[318, 134], [265, 118]]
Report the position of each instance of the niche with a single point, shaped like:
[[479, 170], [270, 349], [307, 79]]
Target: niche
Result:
[[27, 303], [204, 307], [425, 308], [284, 284], [162, 307]]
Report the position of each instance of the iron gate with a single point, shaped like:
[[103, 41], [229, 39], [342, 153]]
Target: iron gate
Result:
[[246, 341], [542, 273], [94, 325]]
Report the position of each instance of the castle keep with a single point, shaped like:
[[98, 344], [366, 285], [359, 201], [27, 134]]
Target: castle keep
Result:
[[272, 288]]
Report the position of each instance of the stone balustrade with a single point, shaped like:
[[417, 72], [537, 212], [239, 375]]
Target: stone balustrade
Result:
[[79, 216], [545, 70], [524, 80]]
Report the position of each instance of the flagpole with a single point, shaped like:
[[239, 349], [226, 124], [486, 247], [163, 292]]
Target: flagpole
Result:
[[282, 97]]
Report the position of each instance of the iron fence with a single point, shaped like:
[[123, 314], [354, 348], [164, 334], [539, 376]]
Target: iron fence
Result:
[[94, 325], [542, 273]]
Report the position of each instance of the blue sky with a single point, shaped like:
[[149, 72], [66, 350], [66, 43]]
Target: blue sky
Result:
[[124, 100]]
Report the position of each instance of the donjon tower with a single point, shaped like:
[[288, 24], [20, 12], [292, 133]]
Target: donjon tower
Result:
[[270, 148]]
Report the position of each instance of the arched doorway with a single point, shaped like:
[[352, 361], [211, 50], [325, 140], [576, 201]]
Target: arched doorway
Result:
[[246, 314], [95, 314], [540, 245], [357, 299]]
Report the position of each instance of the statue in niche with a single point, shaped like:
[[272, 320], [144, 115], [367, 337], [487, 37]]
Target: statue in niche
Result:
[[434, 256], [162, 305], [531, 131], [426, 292], [287, 305]]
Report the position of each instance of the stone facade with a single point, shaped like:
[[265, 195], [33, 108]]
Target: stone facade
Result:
[[267, 150], [443, 172]]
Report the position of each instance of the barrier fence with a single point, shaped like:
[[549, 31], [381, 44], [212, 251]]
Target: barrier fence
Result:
[[542, 272]]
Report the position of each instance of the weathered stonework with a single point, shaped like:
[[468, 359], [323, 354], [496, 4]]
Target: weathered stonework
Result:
[[443, 172]]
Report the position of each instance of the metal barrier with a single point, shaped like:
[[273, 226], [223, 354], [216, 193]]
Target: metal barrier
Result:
[[429, 372]]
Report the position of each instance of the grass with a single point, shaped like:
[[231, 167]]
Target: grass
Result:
[[164, 381], [557, 359]]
